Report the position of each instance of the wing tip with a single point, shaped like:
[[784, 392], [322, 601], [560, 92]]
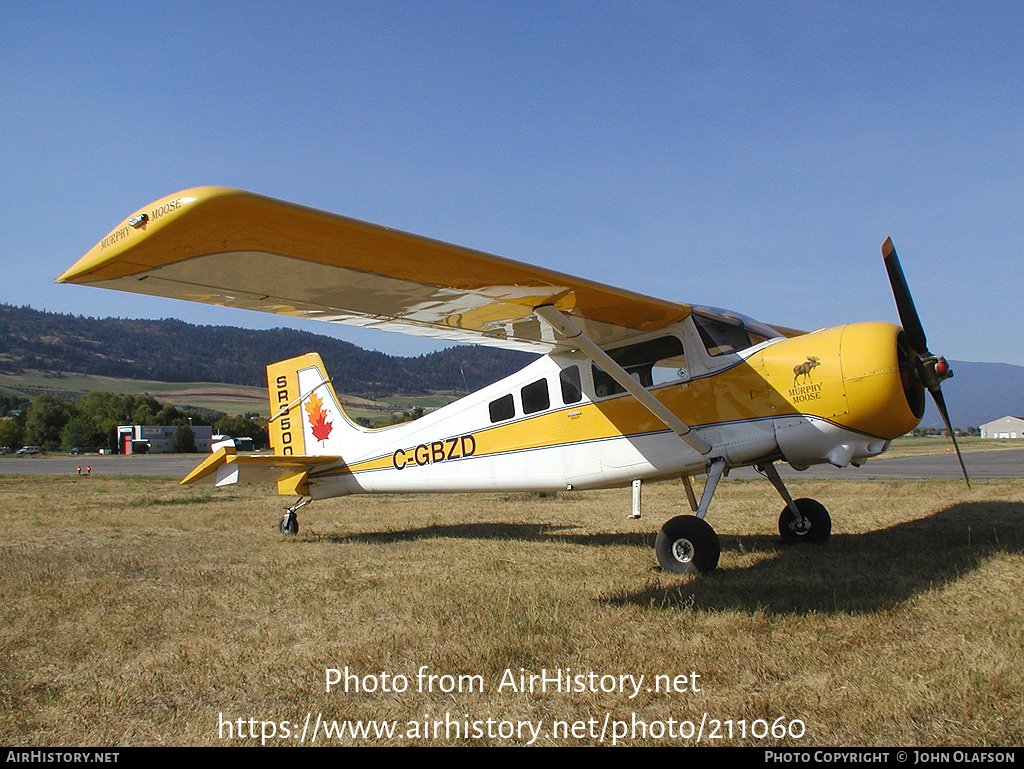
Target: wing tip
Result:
[[150, 217]]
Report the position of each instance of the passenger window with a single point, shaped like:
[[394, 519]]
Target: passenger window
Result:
[[535, 397], [572, 390], [502, 409], [652, 362]]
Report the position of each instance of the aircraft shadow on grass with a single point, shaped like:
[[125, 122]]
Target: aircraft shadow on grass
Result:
[[876, 570], [867, 572]]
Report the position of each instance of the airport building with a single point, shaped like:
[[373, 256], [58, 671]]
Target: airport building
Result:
[[158, 439], [1007, 427]]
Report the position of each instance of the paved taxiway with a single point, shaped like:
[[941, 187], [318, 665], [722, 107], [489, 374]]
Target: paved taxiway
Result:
[[1008, 463], [115, 464]]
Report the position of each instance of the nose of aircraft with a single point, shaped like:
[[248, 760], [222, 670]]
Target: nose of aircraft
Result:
[[883, 395]]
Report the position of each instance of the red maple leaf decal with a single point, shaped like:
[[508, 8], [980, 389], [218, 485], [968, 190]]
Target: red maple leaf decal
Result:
[[318, 418]]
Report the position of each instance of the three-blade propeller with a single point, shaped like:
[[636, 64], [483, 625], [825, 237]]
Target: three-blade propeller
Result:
[[929, 369]]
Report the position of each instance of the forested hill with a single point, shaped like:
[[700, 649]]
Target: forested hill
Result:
[[174, 351]]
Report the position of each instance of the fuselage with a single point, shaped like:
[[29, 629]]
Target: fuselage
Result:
[[837, 395]]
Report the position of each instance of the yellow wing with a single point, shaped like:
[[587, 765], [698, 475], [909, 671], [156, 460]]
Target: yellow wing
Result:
[[234, 248]]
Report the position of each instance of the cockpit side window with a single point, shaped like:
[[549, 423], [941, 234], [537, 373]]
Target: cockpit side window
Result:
[[728, 333], [652, 362]]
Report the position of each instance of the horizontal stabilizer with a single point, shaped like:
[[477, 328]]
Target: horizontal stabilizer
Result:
[[225, 467]]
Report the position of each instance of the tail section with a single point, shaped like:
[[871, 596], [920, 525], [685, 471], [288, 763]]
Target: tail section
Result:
[[306, 417]]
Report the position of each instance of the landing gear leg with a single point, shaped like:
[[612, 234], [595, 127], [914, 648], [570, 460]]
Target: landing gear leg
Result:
[[687, 544], [690, 496], [715, 473], [289, 523], [802, 520]]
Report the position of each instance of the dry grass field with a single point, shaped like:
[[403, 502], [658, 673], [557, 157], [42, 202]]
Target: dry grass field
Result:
[[136, 612]]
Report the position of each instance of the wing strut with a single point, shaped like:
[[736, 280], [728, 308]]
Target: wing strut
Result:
[[564, 326]]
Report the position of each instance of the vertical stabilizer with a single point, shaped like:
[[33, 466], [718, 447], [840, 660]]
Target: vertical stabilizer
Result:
[[306, 415]]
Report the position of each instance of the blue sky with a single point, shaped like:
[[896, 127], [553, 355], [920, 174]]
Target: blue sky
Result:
[[752, 156]]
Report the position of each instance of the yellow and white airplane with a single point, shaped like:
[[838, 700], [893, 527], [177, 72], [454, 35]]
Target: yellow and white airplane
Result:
[[628, 387]]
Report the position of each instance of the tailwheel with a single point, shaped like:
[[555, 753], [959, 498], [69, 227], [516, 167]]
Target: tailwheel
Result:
[[289, 523], [687, 545], [815, 525]]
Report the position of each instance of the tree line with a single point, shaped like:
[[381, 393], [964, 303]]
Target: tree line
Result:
[[90, 422]]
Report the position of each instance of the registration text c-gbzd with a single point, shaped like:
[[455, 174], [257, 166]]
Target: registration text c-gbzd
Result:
[[438, 451]]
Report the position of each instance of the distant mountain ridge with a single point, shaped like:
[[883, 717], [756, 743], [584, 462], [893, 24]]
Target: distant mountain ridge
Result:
[[175, 351], [979, 393]]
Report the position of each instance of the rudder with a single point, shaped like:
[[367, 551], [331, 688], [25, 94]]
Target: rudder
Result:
[[306, 415]]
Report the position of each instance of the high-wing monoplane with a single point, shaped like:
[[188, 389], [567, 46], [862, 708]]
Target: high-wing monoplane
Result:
[[627, 387]]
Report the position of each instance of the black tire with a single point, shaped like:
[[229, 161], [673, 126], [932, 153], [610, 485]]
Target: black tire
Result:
[[687, 545], [817, 523], [289, 524]]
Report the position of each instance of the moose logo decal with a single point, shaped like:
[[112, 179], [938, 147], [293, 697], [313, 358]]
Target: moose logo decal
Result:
[[804, 370], [804, 387]]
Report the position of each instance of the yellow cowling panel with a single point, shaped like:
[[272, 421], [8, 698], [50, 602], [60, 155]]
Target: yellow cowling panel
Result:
[[874, 385], [805, 375], [848, 375]]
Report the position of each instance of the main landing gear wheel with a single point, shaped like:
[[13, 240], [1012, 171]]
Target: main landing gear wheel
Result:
[[815, 526], [687, 545], [289, 524]]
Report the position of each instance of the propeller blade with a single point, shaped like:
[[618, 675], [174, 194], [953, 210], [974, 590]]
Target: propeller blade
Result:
[[904, 302], [940, 402], [930, 369]]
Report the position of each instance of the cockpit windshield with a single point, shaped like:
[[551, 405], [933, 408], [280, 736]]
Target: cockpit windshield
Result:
[[724, 331]]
